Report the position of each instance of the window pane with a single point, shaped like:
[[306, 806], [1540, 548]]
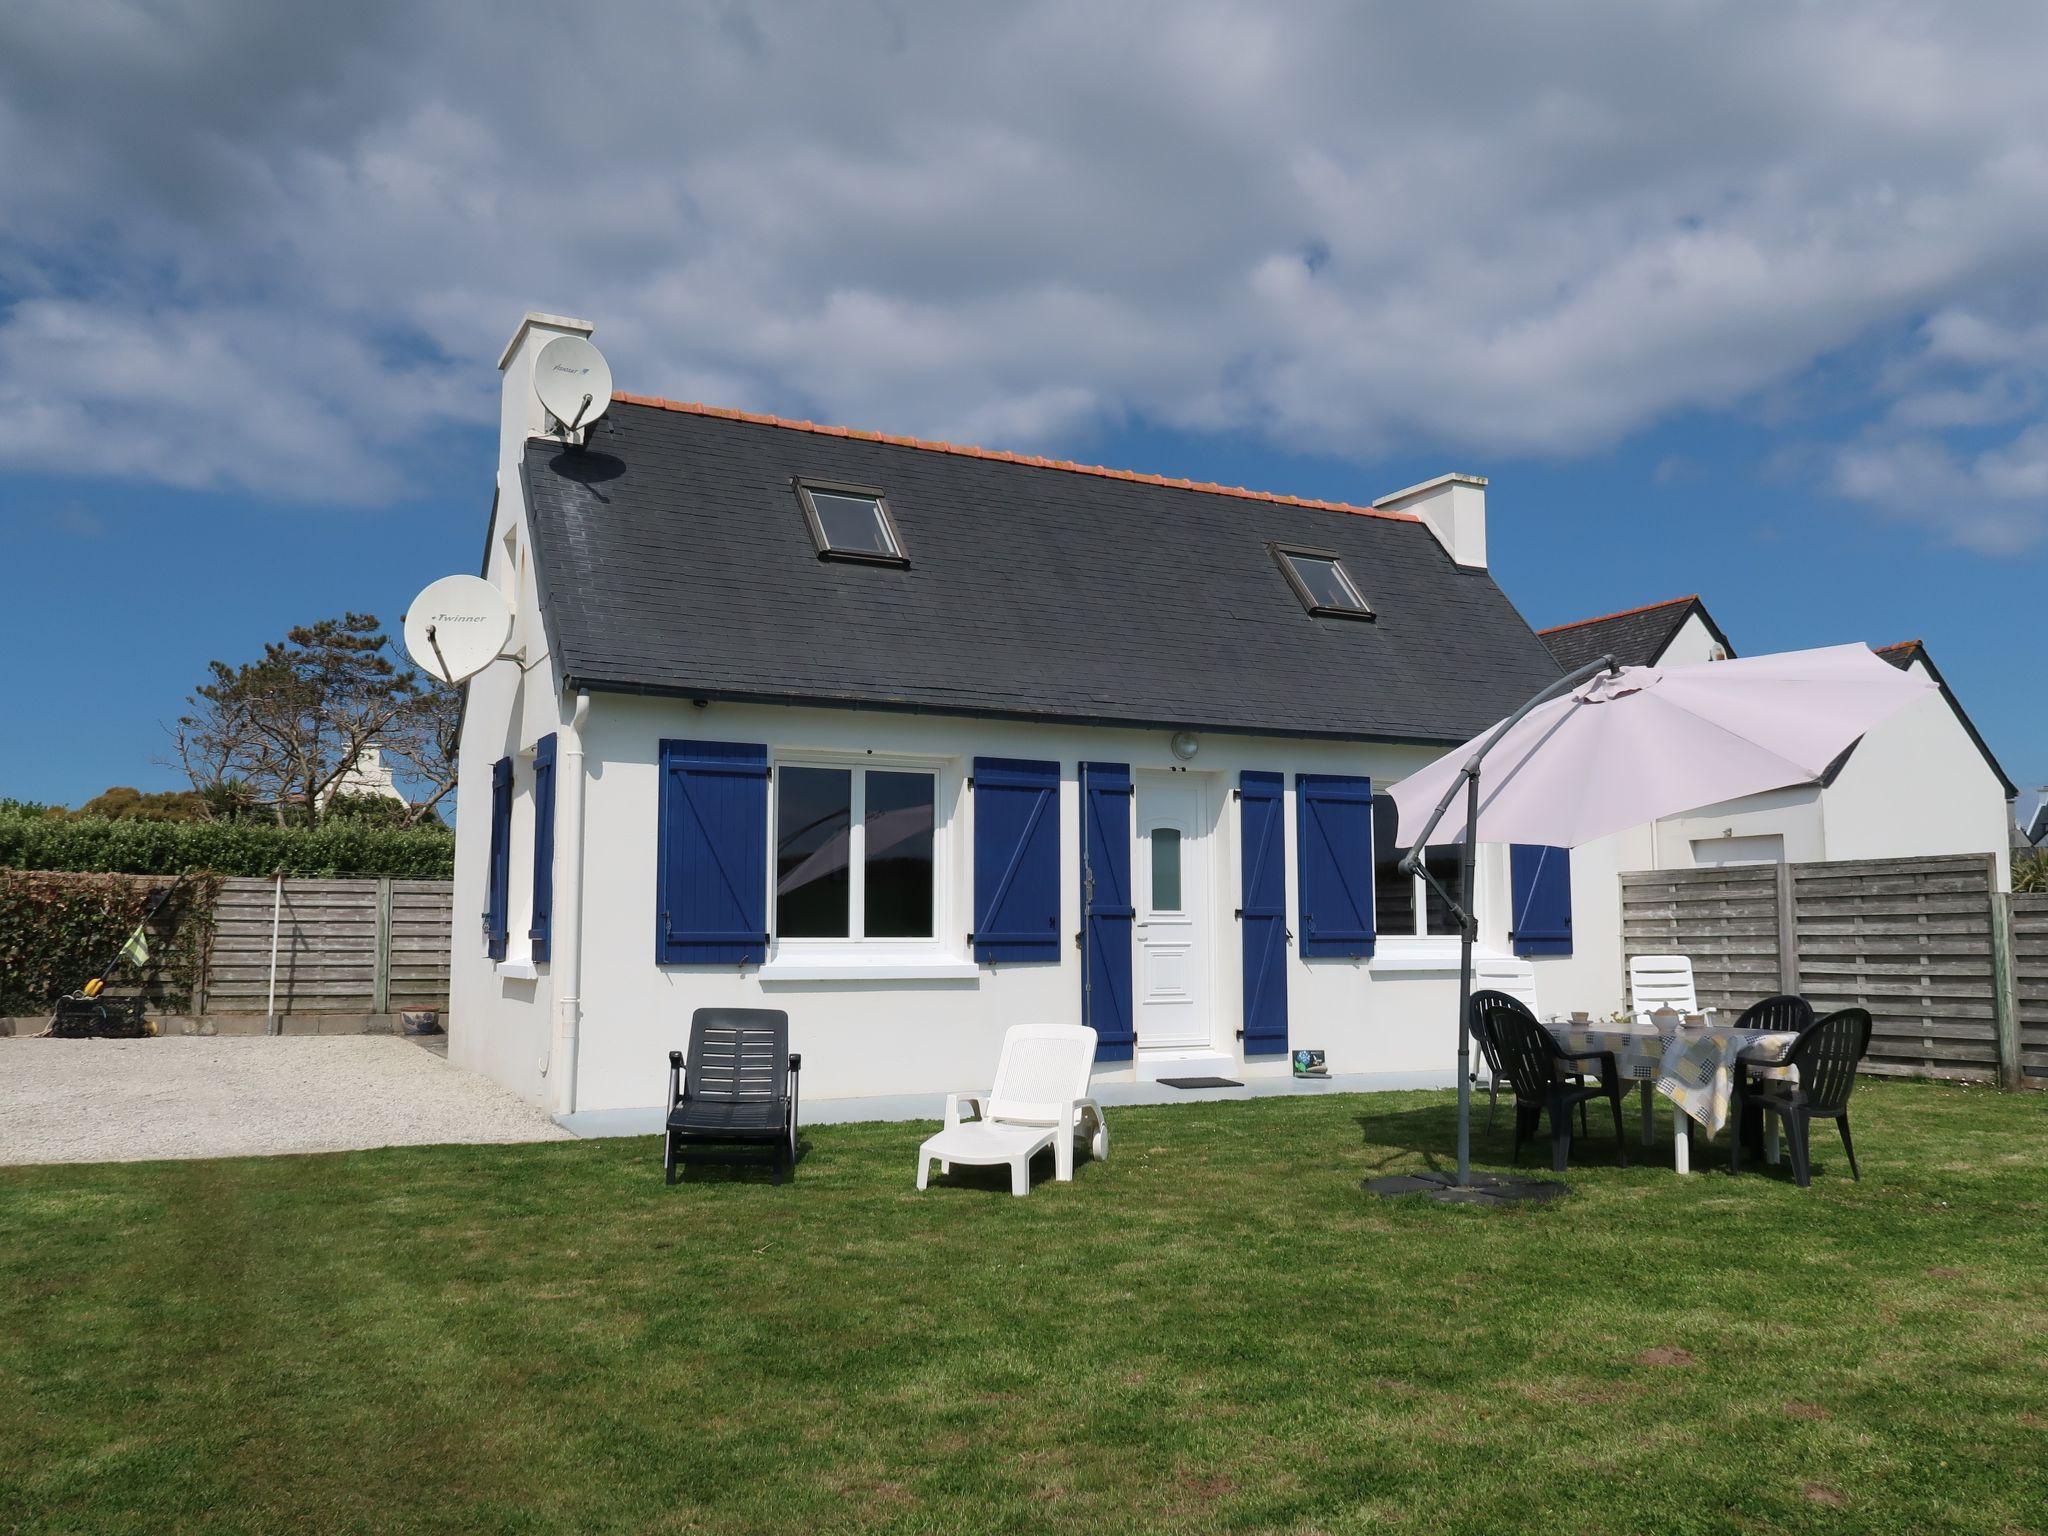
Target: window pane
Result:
[[899, 855], [852, 523], [813, 842], [1326, 585], [1393, 897], [1393, 893], [1165, 869], [1447, 865]]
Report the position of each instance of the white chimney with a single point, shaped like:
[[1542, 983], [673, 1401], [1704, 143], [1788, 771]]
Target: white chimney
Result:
[[521, 415], [1454, 506]]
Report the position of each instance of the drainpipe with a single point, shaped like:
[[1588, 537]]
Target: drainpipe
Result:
[[566, 951]]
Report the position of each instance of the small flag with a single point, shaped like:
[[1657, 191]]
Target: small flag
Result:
[[136, 950]]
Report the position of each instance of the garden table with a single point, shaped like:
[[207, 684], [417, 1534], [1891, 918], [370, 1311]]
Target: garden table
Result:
[[1691, 1065]]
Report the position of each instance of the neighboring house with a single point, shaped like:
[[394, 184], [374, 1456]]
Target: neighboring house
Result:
[[1678, 632], [1923, 782], [918, 741], [368, 775], [2035, 828]]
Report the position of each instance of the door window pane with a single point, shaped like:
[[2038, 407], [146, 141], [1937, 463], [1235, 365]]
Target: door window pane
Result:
[[1166, 869], [813, 850], [898, 828]]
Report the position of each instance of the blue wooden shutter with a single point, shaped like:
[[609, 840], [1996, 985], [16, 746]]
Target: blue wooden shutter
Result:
[[1333, 846], [1106, 910], [1016, 860], [498, 879], [1540, 881], [1263, 917], [543, 846], [713, 882]]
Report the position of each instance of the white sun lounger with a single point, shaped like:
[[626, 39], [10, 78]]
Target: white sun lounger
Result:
[[1040, 1099]]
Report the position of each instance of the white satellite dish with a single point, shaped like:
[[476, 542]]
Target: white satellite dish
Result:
[[457, 627], [573, 381]]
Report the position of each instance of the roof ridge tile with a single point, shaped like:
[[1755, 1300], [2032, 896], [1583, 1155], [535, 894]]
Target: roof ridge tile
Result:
[[1006, 456], [1690, 597]]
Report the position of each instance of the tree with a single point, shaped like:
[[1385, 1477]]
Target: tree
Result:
[[277, 734], [125, 803]]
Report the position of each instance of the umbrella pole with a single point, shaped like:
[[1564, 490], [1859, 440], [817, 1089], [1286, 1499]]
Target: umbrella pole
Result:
[[1465, 904]]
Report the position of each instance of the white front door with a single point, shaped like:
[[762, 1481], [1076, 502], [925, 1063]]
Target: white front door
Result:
[[1172, 898]]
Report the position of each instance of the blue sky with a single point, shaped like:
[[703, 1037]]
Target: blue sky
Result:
[[1746, 302]]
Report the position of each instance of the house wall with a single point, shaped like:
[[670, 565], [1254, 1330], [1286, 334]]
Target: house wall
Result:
[[500, 1015], [1693, 645], [1917, 784], [874, 1032]]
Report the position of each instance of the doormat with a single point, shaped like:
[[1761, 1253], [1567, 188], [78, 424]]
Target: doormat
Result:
[[1200, 1082]]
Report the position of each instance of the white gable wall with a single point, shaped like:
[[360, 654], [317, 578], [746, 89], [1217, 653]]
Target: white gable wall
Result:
[[1693, 645], [1916, 785], [500, 1015]]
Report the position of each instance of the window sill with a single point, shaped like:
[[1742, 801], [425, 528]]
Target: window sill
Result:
[[517, 970], [1415, 957], [878, 968]]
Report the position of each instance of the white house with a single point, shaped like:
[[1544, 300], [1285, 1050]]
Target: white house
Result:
[[917, 741], [1924, 782]]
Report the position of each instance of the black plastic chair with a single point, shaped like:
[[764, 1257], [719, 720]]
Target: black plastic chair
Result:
[[1826, 1055], [739, 1087], [1496, 1074], [1543, 1080], [1780, 1015]]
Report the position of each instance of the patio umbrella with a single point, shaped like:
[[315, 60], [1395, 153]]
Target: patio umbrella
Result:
[[1607, 748]]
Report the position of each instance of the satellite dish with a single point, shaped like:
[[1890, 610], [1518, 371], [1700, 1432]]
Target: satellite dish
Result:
[[573, 381], [457, 627]]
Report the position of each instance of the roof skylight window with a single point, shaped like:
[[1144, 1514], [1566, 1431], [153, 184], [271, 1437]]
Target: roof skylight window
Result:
[[1321, 582], [851, 522]]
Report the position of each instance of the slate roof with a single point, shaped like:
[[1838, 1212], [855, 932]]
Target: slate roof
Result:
[[1635, 637], [673, 557]]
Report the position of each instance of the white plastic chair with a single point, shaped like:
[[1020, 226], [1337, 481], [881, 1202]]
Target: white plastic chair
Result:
[[1661, 981], [1040, 1099]]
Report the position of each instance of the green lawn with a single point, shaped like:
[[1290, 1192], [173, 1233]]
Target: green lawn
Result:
[[1215, 1330]]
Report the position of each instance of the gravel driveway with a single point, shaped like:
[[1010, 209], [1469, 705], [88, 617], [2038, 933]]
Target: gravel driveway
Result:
[[88, 1101]]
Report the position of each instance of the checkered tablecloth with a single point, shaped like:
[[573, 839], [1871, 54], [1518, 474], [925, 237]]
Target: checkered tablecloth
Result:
[[1638, 1048], [1698, 1072], [1693, 1068]]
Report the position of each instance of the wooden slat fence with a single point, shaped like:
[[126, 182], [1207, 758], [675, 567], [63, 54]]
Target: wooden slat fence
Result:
[[344, 946], [1726, 919], [2030, 983], [1910, 939]]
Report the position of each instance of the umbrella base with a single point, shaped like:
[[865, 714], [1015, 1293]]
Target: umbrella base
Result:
[[1484, 1188]]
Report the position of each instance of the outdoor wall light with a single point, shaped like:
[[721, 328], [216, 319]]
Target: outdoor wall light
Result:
[[1185, 744]]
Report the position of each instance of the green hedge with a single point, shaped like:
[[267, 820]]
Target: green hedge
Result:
[[58, 931], [93, 844]]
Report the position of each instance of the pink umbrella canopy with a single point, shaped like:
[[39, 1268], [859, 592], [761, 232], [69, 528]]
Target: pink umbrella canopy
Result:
[[1629, 748]]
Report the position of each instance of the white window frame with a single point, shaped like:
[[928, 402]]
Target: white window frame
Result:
[[795, 958]]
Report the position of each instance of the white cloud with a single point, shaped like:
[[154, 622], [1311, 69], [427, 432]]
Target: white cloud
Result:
[[1483, 232]]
